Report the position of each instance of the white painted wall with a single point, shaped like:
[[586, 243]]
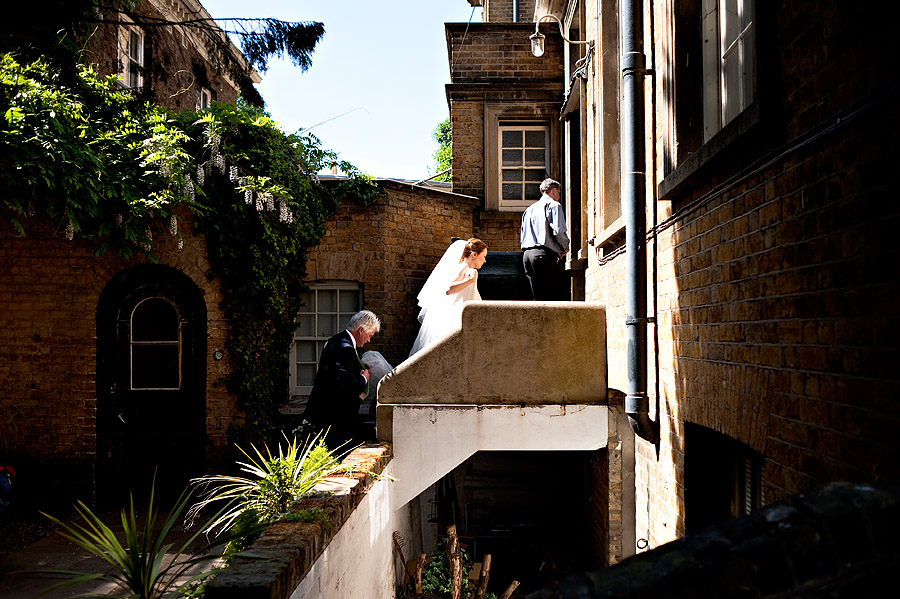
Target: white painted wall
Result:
[[432, 440], [359, 561]]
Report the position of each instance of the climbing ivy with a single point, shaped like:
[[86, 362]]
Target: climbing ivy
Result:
[[104, 166]]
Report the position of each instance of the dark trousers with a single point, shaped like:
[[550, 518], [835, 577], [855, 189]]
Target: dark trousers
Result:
[[544, 274]]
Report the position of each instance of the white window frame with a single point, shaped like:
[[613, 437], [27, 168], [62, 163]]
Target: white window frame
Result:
[[131, 54], [729, 61], [544, 169], [204, 98], [318, 334], [157, 343]]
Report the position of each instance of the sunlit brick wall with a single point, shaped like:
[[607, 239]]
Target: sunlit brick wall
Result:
[[776, 299]]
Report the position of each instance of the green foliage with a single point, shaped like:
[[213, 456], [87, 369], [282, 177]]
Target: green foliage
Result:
[[274, 482], [96, 162], [313, 514], [137, 561], [443, 134], [436, 573], [278, 38]]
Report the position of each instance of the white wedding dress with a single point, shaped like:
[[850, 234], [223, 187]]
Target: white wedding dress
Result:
[[441, 314]]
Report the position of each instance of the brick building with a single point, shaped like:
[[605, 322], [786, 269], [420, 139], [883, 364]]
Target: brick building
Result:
[[72, 414], [743, 147]]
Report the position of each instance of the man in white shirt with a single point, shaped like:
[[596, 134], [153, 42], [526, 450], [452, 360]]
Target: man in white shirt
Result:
[[544, 243]]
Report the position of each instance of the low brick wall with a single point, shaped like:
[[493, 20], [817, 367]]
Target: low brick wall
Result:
[[297, 559], [837, 542]]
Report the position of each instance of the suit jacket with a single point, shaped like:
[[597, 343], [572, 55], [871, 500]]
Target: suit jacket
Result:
[[338, 386]]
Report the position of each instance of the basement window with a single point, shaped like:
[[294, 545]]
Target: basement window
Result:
[[723, 478]]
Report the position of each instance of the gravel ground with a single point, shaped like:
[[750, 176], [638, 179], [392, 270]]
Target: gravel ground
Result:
[[20, 529]]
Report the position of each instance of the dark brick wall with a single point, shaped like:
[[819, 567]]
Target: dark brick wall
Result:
[[49, 290], [176, 70]]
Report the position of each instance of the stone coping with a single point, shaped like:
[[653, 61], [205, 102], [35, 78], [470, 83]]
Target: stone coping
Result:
[[275, 564]]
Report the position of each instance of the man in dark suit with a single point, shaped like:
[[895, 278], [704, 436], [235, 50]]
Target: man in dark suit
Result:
[[342, 381]]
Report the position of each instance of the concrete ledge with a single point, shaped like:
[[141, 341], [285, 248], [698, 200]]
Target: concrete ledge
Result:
[[510, 353], [276, 563]]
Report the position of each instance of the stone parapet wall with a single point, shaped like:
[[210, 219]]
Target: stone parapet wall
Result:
[[352, 557]]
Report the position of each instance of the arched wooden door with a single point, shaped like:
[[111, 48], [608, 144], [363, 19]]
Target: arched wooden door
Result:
[[151, 383]]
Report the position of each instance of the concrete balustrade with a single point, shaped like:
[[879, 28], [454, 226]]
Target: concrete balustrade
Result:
[[532, 353]]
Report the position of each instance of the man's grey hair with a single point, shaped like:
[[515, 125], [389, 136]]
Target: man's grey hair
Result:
[[546, 184], [365, 320]]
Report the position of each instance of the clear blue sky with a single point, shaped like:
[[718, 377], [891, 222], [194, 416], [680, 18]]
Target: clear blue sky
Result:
[[378, 74]]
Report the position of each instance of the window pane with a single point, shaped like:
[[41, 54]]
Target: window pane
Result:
[[731, 24], [512, 139], [535, 174], [512, 175], [306, 325], [349, 301], [327, 325], [305, 351], [327, 300], [512, 157], [532, 191], [154, 319], [134, 46], [534, 157], [306, 374], [534, 139], [154, 367], [511, 191], [307, 298], [748, 52], [731, 103]]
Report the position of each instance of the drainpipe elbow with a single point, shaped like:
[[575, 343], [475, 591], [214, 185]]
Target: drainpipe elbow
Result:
[[637, 408]]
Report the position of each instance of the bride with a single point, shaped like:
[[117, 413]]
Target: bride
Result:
[[452, 283]]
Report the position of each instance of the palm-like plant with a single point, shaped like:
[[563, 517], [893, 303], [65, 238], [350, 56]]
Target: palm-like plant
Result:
[[274, 482], [139, 560]]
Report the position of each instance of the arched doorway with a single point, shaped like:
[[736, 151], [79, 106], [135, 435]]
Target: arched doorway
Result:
[[151, 400]]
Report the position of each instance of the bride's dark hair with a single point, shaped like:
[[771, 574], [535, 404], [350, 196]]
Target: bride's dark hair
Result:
[[473, 246]]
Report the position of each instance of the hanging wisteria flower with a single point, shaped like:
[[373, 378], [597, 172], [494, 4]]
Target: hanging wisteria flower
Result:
[[282, 212], [201, 175], [70, 231], [270, 202], [148, 234], [248, 196], [259, 203], [119, 219], [232, 173], [173, 225], [219, 161], [213, 139], [189, 189], [180, 244]]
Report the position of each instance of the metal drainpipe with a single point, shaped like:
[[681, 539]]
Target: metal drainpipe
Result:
[[637, 403], [515, 11]]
